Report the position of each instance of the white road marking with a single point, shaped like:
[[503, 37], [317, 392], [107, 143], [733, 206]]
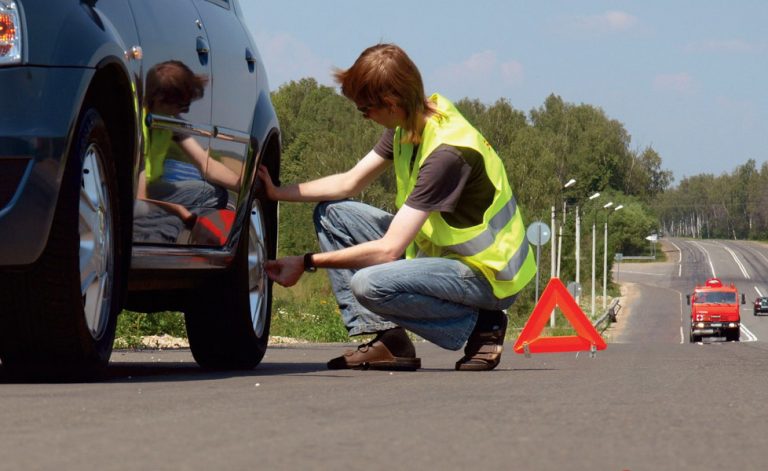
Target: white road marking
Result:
[[750, 336], [679, 259], [682, 321], [709, 260], [738, 262]]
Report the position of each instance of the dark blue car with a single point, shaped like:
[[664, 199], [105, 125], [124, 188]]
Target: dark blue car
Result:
[[130, 134]]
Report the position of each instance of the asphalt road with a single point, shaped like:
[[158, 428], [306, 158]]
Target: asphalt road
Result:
[[651, 401]]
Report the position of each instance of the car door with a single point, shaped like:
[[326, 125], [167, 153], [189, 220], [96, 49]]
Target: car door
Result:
[[234, 92], [176, 100]]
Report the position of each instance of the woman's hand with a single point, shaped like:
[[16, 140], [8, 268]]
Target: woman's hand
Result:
[[285, 271], [269, 188]]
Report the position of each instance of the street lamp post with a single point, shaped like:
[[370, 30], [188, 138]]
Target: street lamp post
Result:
[[568, 184], [578, 244], [595, 195], [605, 251], [553, 247], [593, 265], [556, 259], [577, 252]]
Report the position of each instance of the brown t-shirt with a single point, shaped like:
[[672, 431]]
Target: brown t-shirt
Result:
[[452, 180]]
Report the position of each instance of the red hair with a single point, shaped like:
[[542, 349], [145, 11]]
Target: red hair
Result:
[[385, 72], [173, 82]]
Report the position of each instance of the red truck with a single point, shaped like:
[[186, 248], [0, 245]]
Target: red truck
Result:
[[715, 311]]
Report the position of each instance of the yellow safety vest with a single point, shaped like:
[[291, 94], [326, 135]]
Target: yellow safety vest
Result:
[[156, 145], [498, 246]]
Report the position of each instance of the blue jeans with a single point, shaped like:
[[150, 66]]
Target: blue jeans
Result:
[[436, 298]]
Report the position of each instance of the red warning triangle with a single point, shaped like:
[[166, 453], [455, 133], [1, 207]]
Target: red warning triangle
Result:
[[555, 294]]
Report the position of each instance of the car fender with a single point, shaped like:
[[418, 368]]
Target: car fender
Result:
[[76, 34], [66, 44]]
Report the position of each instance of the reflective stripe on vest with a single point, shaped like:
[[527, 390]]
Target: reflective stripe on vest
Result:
[[486, 238]]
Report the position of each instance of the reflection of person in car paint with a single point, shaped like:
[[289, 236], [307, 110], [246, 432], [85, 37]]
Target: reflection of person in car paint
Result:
[[170, 88]]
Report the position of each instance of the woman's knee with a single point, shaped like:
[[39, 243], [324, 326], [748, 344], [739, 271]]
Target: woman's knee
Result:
[[331, 213], [359, 284], [364, 288]]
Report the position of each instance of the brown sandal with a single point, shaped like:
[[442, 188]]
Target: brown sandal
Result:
[[483, 349], [375, 356]]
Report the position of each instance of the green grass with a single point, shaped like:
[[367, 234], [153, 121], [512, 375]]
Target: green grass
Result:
[[307, 311], [132, 326]]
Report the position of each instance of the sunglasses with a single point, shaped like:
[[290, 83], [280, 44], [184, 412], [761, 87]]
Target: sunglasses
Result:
[[367, 108]]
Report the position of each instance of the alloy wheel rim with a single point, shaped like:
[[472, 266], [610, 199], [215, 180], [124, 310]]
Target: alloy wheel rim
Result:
[[95, 230], [257, 276]]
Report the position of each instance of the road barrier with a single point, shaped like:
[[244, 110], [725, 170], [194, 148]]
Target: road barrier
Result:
[[609, 316]]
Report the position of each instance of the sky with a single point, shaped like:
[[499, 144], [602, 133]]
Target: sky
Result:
[[686, 78]]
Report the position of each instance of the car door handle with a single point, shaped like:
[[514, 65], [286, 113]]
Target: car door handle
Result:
[[202, 46], [249, 56], [250, 59]]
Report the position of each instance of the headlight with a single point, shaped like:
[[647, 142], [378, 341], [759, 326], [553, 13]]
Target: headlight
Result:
[[700, 325], [10, 33]]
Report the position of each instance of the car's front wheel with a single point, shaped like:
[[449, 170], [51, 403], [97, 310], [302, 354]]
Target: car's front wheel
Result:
[[59, 315], [228, 324]]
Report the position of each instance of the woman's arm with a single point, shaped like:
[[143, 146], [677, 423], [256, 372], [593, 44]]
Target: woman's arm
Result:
[[212, 170], [332, 187], [402, 230]]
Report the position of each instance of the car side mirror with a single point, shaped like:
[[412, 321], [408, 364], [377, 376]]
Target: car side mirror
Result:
[[688, 299]]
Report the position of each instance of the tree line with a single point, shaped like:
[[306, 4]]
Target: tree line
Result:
[[323, 133], [732, 205]]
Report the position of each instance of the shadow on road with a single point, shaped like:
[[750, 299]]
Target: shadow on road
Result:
[[171, 365], [161, 371]]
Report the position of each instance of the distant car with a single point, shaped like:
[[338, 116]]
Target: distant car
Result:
[[130, 135], [761, 305]]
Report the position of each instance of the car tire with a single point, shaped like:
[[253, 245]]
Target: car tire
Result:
[[60, 313], [228, 325]]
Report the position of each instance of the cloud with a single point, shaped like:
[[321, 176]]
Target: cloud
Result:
[[608, 22], [680, 82], [728, 46], [480, 73], [287, 59]]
